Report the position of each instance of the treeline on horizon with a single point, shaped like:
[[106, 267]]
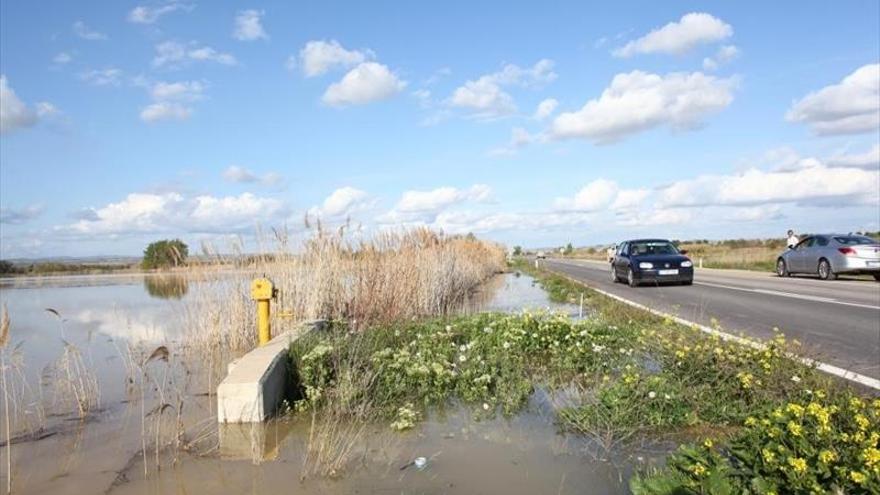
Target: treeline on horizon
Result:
[[741, 243]]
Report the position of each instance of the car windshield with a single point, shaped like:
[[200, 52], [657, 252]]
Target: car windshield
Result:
[[852, 240], [652, 247]]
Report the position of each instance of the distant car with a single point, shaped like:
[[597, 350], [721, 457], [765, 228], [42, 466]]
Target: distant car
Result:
[[651, 260], [829, 255], [541, 255]]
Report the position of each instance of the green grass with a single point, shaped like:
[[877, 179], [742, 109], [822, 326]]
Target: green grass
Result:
[[626, 374]]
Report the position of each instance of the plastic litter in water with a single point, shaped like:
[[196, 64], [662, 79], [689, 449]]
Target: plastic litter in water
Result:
[[420, 462]]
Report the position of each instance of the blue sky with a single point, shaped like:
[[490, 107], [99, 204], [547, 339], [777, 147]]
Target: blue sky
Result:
[[537, 125]]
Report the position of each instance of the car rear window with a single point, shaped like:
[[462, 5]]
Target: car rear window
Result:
[[652, 247], [852, 240]]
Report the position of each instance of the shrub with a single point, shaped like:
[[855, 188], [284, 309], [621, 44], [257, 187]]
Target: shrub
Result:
[[164, 254]]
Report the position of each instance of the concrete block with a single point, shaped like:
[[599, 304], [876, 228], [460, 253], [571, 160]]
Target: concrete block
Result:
[[255, 384]]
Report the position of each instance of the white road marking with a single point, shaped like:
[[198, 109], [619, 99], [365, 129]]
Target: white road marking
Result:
[[792, 295], [827, 368]]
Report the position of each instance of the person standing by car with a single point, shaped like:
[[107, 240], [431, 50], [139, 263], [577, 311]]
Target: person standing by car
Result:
[[792, 240]]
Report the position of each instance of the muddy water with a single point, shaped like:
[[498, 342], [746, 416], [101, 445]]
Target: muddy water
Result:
[[104, 317]]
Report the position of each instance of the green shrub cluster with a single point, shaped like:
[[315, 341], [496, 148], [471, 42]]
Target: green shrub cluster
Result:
[[622, 376], [816, 444]]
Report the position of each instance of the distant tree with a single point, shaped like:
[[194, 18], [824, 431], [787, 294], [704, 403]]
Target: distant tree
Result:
[[6, 267], [517, 250], [164, 254], [568, 249]]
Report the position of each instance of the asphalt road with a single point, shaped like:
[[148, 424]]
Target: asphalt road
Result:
[[838, 322]]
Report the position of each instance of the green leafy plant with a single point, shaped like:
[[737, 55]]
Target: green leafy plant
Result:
[[165, 253]]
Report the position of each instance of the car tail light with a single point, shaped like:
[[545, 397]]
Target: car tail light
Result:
[[847, 251]]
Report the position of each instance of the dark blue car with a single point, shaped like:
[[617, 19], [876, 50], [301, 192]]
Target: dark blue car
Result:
[[651, 260]]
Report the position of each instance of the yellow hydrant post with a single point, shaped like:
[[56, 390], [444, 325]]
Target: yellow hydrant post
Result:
[[263, 291]]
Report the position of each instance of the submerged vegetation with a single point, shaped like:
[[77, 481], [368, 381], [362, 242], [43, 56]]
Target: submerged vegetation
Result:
[[616, 377]]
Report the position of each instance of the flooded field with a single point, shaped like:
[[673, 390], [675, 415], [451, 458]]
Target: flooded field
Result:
[[115, 326]]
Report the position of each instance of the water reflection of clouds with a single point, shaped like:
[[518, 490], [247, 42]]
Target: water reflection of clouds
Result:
[[143, 325]]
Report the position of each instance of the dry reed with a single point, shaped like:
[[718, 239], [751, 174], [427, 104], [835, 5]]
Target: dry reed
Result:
[[390, 277]]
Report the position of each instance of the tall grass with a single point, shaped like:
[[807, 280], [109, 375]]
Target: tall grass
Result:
[[335, 276]]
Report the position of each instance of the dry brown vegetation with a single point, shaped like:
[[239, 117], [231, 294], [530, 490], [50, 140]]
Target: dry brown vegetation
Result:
[[388, 277]]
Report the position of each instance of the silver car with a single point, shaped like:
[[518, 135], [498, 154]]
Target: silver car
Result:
[[829, 255]]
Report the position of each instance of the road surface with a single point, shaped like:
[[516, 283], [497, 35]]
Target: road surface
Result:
[[838, 322]]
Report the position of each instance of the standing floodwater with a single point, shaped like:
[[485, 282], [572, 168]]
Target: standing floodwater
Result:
[[116, 324]]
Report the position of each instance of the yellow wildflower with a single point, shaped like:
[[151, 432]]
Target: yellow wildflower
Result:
[[827, 456], [768, 455], [708, 443], [857, 477], [796, 409], [871, 456], [698, 469], [797, 464], [750, 421], [794, 428], [862, 421]]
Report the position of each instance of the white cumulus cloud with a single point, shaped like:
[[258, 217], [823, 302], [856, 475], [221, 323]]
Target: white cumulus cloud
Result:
[[814, 185], [15, 114], [343, 202], [601, 194], [487, 99], [368, 82], [691, 30], [146, 213], [638, 101], [724, 55], [318, 57], [165, 110], [545, 108], [172, 100], [849, 107], [249, 26], [424, 206]]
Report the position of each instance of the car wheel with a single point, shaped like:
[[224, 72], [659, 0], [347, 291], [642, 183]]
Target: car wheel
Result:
[[631, 278], [825, 271], [614, 278], [782, 268], [877, 277]]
